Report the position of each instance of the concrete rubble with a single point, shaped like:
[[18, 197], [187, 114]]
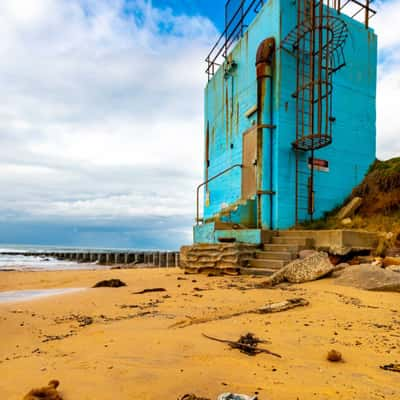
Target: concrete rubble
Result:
[[308, 269], [224, 257], [346, 221], [394, 268], [388, 261], [369, 277], [350, 208]]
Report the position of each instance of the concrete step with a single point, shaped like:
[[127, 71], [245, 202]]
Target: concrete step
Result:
[[294, 233], [301, 241], [293, 248], [257, 271], [275, 255], [267, 263]]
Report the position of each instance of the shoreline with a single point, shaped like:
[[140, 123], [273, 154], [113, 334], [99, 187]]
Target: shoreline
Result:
[[109, 343], [101, 257], [17, 296]]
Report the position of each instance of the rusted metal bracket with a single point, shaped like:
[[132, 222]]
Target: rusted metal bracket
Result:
[[267, 126], [268, 192]]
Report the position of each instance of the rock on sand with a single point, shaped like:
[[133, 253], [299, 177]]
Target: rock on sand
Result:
[[308, 269], [370, 277]]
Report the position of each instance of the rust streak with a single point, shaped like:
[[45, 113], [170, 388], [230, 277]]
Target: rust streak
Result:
[[227, 116]]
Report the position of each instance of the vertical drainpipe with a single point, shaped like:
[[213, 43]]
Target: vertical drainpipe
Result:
[[264, 60]]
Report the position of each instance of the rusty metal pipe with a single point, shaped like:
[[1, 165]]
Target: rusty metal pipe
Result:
[[264, 60], [271, 143]]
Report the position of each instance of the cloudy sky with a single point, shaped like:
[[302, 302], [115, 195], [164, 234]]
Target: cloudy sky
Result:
[[101, 118]]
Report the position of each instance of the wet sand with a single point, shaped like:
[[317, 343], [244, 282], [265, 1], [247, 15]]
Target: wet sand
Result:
[[108, 343], [14, 296]]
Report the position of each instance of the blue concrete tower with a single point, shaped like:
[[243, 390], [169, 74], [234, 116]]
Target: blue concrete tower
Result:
[[289, 115]]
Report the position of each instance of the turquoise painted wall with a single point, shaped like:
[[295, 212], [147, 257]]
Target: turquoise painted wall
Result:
[[227, 98], [226, 102]]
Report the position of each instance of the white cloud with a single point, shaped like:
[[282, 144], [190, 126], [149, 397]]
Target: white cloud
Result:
[[386, 24], [102, 108]]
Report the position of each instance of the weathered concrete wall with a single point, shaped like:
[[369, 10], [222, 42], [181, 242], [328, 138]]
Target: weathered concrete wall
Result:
[[354, 133], [227, 104], [337, 241], [207, 233], [224, 257]]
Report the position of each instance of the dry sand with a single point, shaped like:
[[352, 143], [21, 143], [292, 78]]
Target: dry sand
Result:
[[130, 351]]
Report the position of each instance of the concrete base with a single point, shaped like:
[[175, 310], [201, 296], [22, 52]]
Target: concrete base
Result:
[[337, 241], [211, 233], [225, 258]]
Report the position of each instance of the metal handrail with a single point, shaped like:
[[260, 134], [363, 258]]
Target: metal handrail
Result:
[[229, 33], [205, 183]]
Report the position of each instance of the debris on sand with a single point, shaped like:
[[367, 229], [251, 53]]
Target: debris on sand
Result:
[[391, 367], [235, 396], [113, 283], [152, 290], [130, 306], [50, 338], [82, 320], [270, 308], [106, 319], [191, 396], [48, 392], [283, 305], [334, 356], [198, 289], [246, 344]]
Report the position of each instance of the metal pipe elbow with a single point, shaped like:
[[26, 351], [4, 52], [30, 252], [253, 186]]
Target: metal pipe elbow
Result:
[[264, 57], [265, 51]]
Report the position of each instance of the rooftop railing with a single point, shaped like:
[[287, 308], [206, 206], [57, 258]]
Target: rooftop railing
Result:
[[238, 15]]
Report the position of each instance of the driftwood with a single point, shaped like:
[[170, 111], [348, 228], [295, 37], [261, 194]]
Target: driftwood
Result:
[[150, 290], [391, 367], [270, 308], [197, 321], [283, 306], [191, 396], [249, 348]]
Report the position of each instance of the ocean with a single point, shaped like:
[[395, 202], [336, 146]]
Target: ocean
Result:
[[18, 262]]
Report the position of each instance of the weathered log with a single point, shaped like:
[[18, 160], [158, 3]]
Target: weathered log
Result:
[[283, 306]]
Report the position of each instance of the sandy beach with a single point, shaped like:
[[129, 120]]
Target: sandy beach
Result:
[[108, 343]]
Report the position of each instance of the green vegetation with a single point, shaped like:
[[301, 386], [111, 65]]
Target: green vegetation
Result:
[[380, 209], [389, 167]]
